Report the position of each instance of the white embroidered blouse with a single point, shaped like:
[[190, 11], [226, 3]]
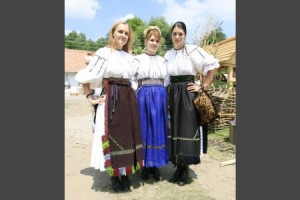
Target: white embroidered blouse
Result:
[[107, 63], [150, 66], [188, 60]]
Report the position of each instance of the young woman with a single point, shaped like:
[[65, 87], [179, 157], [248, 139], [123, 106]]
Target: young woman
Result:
[[117, 145], [152, 100], [183, 63]]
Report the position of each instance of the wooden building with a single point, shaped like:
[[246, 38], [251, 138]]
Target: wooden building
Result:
[[225, 52]]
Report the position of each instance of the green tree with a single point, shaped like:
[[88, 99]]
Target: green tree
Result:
[[70, 40], [209, 33], [215, 37], [81, 41], [135, 23], [90, 45], [101, 42], [76, 41], [138, 27]]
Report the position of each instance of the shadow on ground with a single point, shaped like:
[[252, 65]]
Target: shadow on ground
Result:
[[102, 181]]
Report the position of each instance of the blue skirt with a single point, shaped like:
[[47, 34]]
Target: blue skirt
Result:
[[152, 100]]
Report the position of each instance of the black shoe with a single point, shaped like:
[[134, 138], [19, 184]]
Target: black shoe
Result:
[[183, 176], [156, 174], [125, 182], [176, 175], [116, 184], [145, 173]]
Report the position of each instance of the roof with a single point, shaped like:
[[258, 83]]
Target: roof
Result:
[[75, 60], [224, 51]]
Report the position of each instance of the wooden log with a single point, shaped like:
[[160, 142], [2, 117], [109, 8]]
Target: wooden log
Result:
[[228, 162]]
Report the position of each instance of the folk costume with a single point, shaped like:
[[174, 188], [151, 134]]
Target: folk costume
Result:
[[185, 141], [117, 143], [152, 101]]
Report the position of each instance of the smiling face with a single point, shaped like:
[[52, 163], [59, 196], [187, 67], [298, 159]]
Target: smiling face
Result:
[[178, 37], [152, 44], [120, 35]]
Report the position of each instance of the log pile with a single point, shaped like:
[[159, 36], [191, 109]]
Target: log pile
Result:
[[227, 111]]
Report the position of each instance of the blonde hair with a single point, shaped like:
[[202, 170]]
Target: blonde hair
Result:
[[111, 42], [152, 30]]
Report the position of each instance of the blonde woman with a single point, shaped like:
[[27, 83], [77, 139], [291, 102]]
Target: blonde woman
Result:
[[117, 145]]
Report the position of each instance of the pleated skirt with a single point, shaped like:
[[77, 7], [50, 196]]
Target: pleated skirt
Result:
[[184, 137], [152, 101]]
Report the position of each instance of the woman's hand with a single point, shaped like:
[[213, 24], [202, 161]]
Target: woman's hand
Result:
[[192, 87], [100, 100]]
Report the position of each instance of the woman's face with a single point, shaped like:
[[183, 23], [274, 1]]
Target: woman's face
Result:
[[178, 37], [152, 44], [121, 35]]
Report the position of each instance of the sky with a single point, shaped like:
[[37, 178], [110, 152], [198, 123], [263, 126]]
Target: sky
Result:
[[94, 18]]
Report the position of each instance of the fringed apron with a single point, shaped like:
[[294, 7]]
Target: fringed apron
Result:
[[122, 143]]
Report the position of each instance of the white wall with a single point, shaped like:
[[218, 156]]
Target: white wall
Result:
[[69, 77]]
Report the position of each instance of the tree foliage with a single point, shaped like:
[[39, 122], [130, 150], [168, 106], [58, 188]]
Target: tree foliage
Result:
[[79, 41], [214, 37], [138, 27], [210, 33]]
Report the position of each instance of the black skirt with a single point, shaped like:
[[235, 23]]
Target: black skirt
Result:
[[184, 137]]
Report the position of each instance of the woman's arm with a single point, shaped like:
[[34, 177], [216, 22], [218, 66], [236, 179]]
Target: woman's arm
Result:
[[208, 78], [89, 95], [206, 82]]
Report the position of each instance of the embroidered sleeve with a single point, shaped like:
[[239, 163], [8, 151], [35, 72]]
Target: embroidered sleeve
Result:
[[202, 60], [94, 71]]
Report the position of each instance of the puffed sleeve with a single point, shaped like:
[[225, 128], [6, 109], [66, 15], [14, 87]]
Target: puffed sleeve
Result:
[[134, 81], [166, 56], [166, 80], [94, 71], [202, 60], [164, 73], [167, 77]]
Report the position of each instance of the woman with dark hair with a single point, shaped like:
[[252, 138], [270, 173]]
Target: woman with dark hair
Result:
[[117, 144], [152, 100], [183, 64]]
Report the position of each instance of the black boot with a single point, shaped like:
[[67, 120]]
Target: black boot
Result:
[[182, 180], [125, 182], [176, 175], [145, 173], [116, 184], [156, 174]]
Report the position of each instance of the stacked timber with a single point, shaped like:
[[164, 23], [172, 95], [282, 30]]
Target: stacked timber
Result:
[[227, 110]]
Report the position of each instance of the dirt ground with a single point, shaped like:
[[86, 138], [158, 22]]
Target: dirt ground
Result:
[[207, 181]]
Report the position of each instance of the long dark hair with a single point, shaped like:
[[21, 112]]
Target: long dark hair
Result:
[[179, 24]]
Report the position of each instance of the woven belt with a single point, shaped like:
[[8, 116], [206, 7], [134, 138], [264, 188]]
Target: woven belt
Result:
[[151, 81]]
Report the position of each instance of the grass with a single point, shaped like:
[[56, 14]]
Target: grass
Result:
[[219, 134], [219, 147]]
